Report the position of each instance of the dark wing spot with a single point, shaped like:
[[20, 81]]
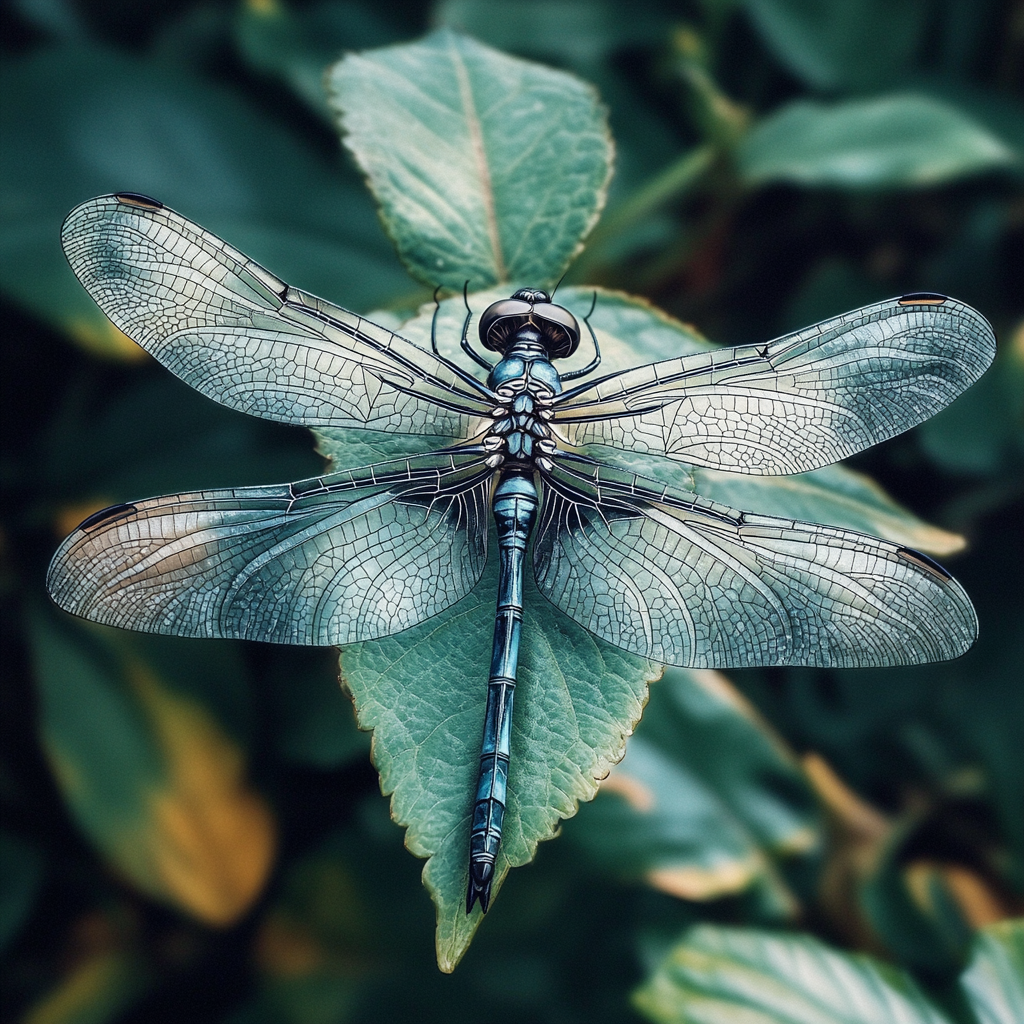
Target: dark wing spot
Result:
[[924, 562], [922, 299], [106, 515], [137, 199]]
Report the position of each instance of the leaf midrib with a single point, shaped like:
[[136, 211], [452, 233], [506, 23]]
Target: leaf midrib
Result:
[[480, 158]]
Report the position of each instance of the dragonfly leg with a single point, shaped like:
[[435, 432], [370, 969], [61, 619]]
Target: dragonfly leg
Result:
[[596, 361], [467, 346], [515, 506]]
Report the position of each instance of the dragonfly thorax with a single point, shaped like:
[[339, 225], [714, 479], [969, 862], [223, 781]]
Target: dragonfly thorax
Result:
[[524, 382]]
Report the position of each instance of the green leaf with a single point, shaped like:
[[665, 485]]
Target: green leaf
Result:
[[313, 721], [914, 913], [994, 979], [485, 167], [315, 941], [98, 988], [298, 46], [78, 122], [21, 874], [726, 975], [832, 44], [423, 694], [898, 141], [566, 31], [705, 798], [147, 771]]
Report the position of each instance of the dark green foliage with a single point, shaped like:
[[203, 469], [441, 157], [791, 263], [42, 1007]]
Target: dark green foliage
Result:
[[193, 830]]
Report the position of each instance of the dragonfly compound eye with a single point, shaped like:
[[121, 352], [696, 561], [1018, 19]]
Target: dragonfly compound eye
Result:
[[502, 320]]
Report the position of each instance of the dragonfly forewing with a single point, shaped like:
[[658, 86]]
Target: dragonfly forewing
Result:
[[683, 581], [798, 403], [333, 560], [241, 336]]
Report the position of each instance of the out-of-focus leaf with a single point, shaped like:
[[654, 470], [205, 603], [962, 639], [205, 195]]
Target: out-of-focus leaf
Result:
[[983, 432], [833, 44], [916, 917], [486, 167], [983, 702], [721, 975], [423, 694], [311, 718], [97, 990], [299, 45], [705, 798], [78, 122], [831, 285], [155, 437], [999, 112], [567, 31], [994, 979], [311, 948], [58, 18], [149, 774], [21, 873], [897, 141]]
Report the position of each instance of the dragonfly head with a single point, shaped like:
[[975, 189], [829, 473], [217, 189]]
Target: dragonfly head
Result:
[[529, 307]]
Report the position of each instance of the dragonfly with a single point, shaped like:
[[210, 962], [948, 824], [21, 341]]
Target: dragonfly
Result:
[[357, 555]]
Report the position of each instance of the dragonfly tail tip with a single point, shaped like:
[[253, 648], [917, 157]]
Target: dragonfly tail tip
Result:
[[479, 889]]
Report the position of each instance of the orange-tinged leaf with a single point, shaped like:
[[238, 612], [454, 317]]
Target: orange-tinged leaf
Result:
[[97, 988], [695, 883], [286, 949], [106, 340], [636, 793], [211, 839], [974, 897], [150, 774]]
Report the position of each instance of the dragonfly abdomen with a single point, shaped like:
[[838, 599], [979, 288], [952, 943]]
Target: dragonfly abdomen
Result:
[[515, 508]]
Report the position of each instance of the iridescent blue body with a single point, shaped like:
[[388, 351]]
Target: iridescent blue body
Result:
[[526, 380]]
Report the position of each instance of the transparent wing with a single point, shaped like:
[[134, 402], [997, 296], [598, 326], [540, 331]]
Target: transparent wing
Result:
[[684, 581], [346, 557], [239, 335], [800, 402]]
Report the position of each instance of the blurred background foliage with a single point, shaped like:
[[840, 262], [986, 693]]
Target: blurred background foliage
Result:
[[193, 830]]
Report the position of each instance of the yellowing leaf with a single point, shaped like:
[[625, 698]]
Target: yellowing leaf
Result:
[[974, 897], [694, 883], [151, 776], [210, 839], [102, 338], [95, 989]]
